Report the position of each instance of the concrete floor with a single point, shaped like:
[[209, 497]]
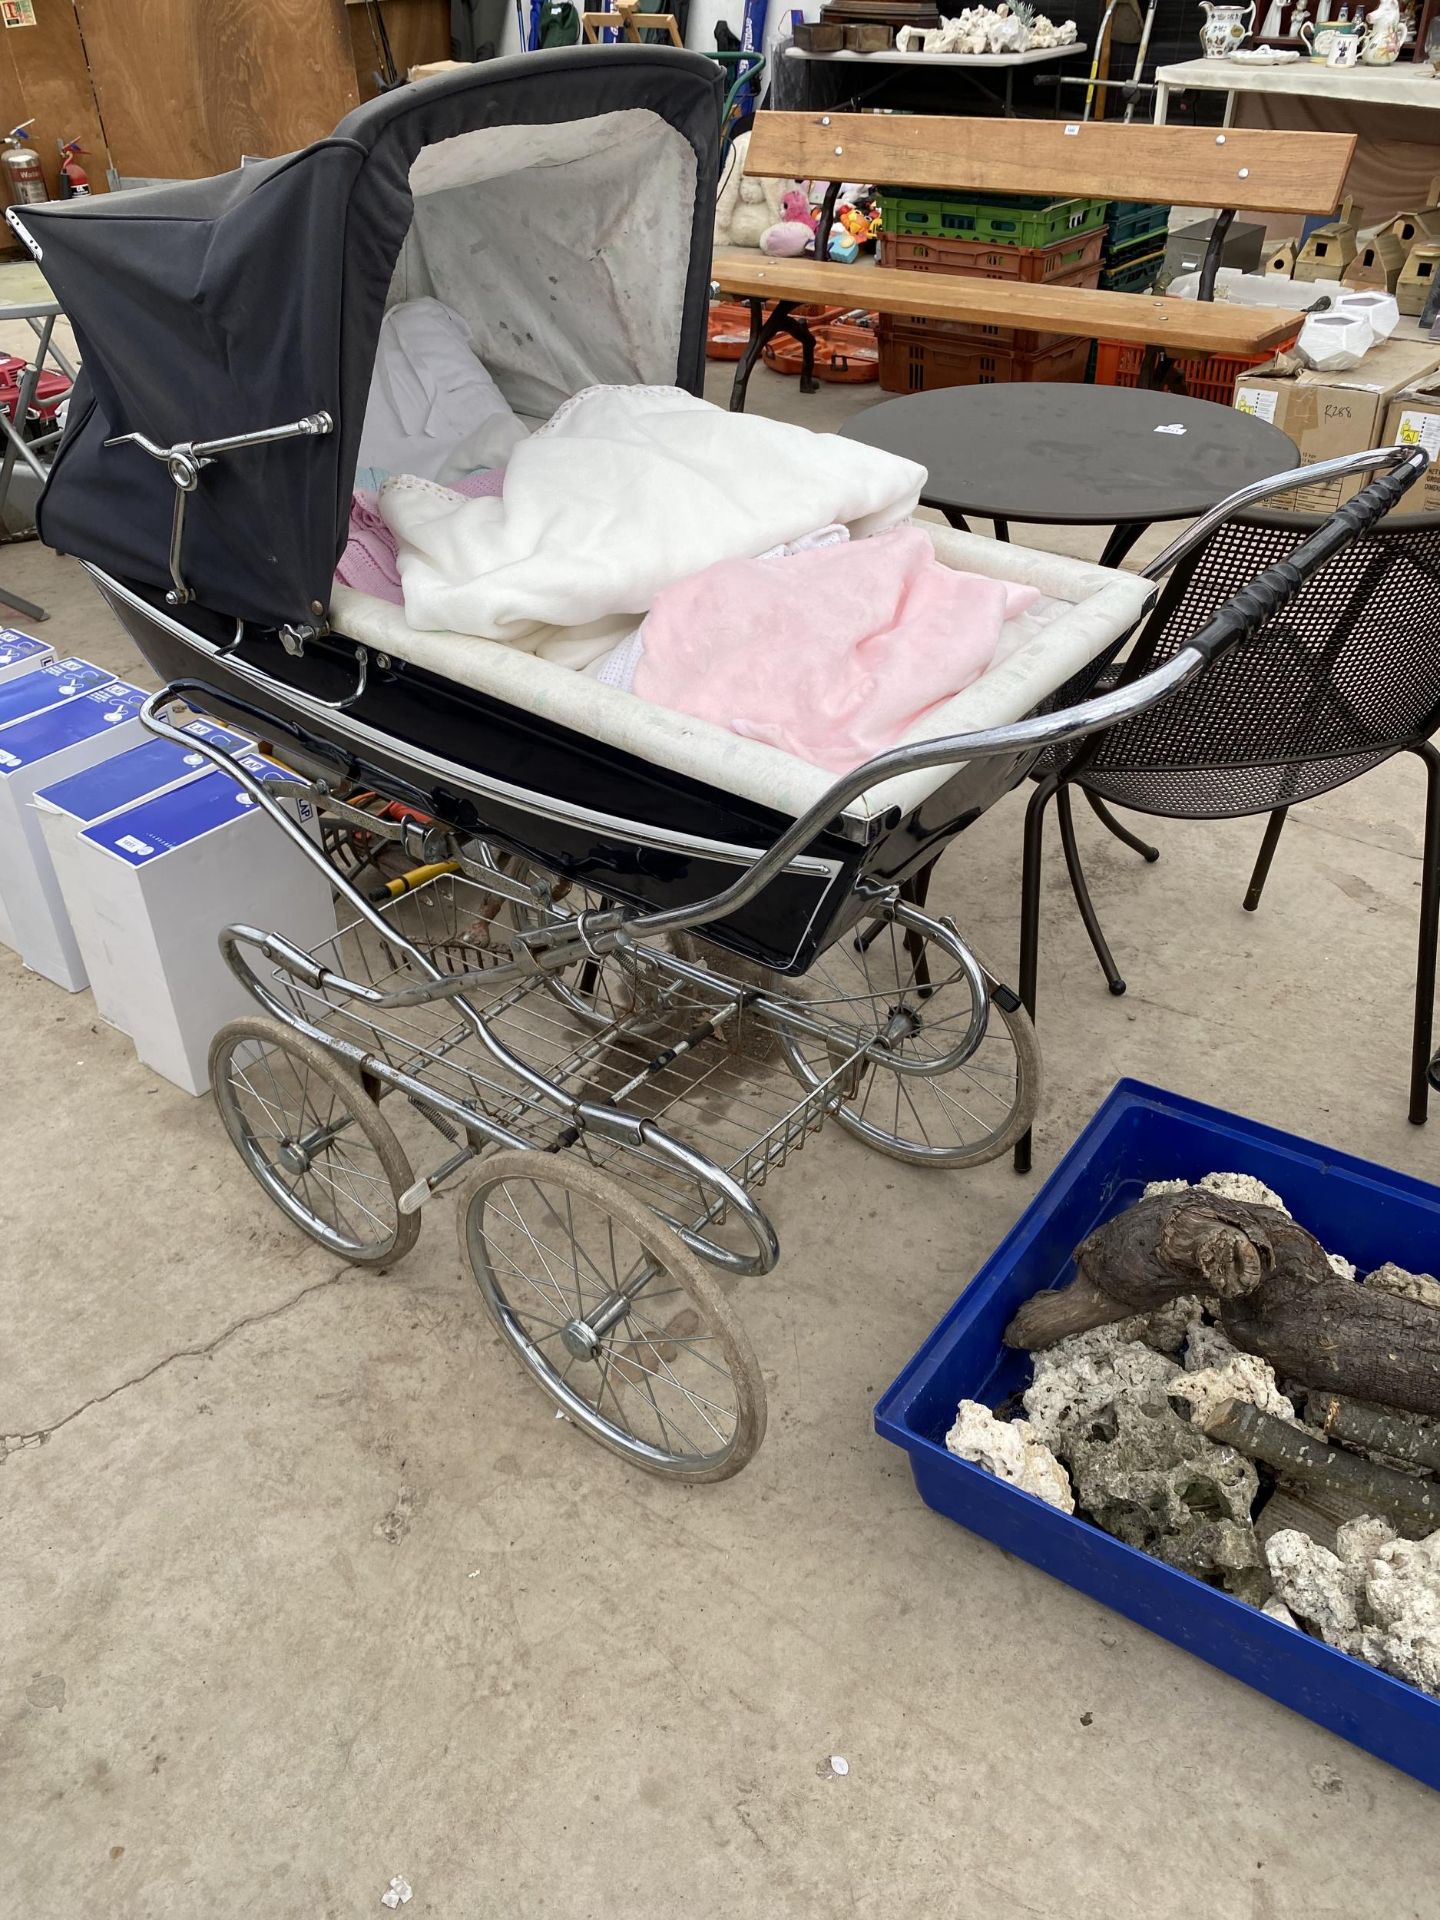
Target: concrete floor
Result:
[[551, 1686]]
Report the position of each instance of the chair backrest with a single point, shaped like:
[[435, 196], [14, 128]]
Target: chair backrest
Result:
[[1345, 675], [1260, 170]]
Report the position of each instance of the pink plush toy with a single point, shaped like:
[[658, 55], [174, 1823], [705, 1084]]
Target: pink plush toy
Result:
[[794, 232]]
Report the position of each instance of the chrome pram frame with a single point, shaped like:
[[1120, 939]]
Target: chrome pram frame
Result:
[[616, 1089]]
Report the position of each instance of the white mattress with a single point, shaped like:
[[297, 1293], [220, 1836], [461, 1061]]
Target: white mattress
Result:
[[1082, 610]]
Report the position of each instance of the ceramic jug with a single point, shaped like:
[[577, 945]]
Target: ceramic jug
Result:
[[1384, 34], [1319, 41], [1225, 28]]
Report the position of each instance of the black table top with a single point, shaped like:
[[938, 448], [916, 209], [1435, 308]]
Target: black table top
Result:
[[1074, 454]]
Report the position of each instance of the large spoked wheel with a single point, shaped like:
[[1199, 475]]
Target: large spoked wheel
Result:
[[610, 1312], [314, 1140], [895, 982]]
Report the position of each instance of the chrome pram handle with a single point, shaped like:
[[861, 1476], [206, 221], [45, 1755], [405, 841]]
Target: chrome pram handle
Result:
[[184, 462]]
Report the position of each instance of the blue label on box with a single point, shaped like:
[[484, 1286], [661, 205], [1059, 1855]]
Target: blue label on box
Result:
[[221, 736], [141, 834], [121, 781], [57, 680], [26, 742], [15, 647]]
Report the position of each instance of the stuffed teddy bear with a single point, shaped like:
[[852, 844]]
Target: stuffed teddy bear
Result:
[[744, 209]]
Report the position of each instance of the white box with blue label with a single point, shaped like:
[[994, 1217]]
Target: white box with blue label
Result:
[[21, 653], [35, 753], [164, 878], [47, 685], [74, 952]]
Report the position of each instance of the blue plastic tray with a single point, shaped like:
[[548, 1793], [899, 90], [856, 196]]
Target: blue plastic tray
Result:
[[1142, 1133]]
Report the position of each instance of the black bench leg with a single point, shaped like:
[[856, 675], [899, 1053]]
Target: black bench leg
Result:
[[763, 330]]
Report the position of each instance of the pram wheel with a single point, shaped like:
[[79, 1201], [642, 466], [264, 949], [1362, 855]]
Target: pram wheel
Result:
[[889, 977], [314, 1140], [618, 1321]]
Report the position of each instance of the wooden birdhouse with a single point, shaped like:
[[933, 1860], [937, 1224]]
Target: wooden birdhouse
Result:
[[1281, 259], [1378, 265], [1329, 249], [1413, 287], [1420, 223]]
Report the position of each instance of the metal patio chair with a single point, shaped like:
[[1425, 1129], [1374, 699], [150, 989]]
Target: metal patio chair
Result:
[[1347, 676]]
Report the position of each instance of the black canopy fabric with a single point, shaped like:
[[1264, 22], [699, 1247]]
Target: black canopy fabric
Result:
[[218, 307]]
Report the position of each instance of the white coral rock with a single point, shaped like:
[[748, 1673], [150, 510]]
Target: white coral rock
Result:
[[1405, 1286], [1316, 1586], [1207, 1347], [1402, 1596], [1244, 1376], [1011, 1451], [1079, 1379]]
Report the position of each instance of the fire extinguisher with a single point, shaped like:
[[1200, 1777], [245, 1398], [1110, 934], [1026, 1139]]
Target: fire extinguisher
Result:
[[24, 177], [74, 180]]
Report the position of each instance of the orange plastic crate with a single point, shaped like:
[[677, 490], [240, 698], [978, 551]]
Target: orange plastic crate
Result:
[[1035, 266], [912, 362], [1206, 376]]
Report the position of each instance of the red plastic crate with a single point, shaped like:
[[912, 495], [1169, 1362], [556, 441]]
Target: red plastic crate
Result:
[[1035, 266], [1206, 376], [1004, 339], [912, 362]]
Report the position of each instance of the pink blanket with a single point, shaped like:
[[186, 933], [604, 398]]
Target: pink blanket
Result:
[[368, 563], [831, 655]]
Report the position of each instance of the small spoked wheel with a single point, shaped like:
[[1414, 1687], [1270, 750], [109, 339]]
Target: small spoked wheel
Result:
[[314, 1140], [613, 1315], [895, 982]]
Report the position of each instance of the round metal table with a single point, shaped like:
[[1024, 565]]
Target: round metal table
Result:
[[1074, 455]]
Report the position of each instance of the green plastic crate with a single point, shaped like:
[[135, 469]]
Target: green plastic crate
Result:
[[1133, 220], [1013, 219], [1135, 276]]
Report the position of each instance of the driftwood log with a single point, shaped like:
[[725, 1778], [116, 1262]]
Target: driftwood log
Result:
[[1398, 1435], [1412, 1503], [1278, 1296]]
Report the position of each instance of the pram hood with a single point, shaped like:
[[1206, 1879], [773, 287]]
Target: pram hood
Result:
[[562, 202]]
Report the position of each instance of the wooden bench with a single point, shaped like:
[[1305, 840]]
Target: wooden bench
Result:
[[1260, 170]]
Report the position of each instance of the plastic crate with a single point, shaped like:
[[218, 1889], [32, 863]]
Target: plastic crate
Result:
[[1204, 376], [1132, 220], [917, 362], [1366, 1212], [1011, 219], [1032, 265], [1023, 340], [1133, 276]]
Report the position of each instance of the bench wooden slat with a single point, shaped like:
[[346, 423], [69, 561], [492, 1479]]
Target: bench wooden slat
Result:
[[1137, 318], [1261, 170]]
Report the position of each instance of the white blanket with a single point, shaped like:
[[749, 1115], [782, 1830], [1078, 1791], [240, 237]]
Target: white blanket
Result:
[[625, 491]]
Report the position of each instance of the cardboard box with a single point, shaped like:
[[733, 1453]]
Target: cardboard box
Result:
[[1329, 414], [72, 953], [1413, 420], [20, 653], [164, 878], [34, 753]]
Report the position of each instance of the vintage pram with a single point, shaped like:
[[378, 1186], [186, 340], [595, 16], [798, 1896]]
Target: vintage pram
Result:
[[641, 959]]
